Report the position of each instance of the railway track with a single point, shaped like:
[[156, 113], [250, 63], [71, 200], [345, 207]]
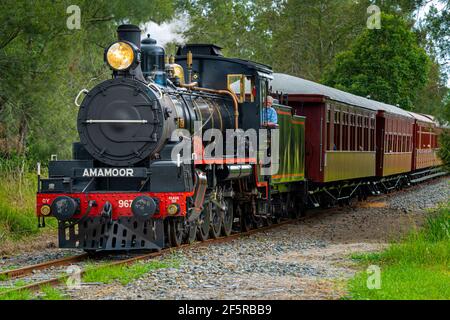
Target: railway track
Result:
[[35, 286], [412, 187], [27, 270]]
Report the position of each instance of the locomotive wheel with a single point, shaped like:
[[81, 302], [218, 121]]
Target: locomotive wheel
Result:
[[293, 210], [216, 222], [245, 221], [258, 222], [190, 234], [228, 217], [91, 252], [203, 225], [276, 218], [352, 201], [237, 218], [298, 210], [268, 221], [176, 231]]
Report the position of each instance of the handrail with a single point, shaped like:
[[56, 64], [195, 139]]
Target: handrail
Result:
[[193, 86]]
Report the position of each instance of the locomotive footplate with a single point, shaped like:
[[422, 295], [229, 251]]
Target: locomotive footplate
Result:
[[126, 233]]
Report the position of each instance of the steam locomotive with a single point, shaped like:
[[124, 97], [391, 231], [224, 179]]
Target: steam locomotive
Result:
[[126, 187]]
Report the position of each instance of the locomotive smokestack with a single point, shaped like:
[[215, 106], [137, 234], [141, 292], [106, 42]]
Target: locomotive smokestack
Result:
[[131, 33]]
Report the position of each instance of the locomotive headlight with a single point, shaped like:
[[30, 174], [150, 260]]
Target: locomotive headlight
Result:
[[120, 56]]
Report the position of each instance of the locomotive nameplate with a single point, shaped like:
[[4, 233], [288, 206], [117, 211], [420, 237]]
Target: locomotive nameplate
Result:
[[110, 172]]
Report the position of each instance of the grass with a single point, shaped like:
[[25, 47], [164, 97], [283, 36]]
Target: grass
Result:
[[416, 268], [125, 274], [46, 293], [17, 200], [17, 295], [51, 293], [20, 283]]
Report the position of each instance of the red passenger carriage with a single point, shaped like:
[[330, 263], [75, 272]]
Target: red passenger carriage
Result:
[[354, 142], [394, 138]]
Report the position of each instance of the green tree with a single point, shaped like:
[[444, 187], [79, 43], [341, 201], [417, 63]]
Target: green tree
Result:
[[429, 99], [435, 36], [444, 139], [311, 32], [403, 8], [242, 28], [43, 65], [299, 37], [386, 64], [437, 30]]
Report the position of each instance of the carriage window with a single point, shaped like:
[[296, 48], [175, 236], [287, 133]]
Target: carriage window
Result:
[[396, 144], [345, 131], [372, 139]]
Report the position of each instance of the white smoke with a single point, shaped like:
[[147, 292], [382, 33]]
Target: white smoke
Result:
[[167, 32]]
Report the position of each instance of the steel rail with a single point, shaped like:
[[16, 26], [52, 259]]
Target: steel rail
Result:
[[24, 271]]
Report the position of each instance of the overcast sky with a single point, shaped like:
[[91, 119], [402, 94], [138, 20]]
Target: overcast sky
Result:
[[423, 11]]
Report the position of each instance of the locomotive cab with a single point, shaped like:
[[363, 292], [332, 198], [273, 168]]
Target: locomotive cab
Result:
[[248, 80]]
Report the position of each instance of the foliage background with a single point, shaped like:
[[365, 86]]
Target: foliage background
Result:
[[43, 65]]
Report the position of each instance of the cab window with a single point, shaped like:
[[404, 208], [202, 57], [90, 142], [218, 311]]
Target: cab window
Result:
[[242, 86]]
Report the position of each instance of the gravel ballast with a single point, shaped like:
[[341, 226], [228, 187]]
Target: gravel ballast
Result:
[[309, 259]]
